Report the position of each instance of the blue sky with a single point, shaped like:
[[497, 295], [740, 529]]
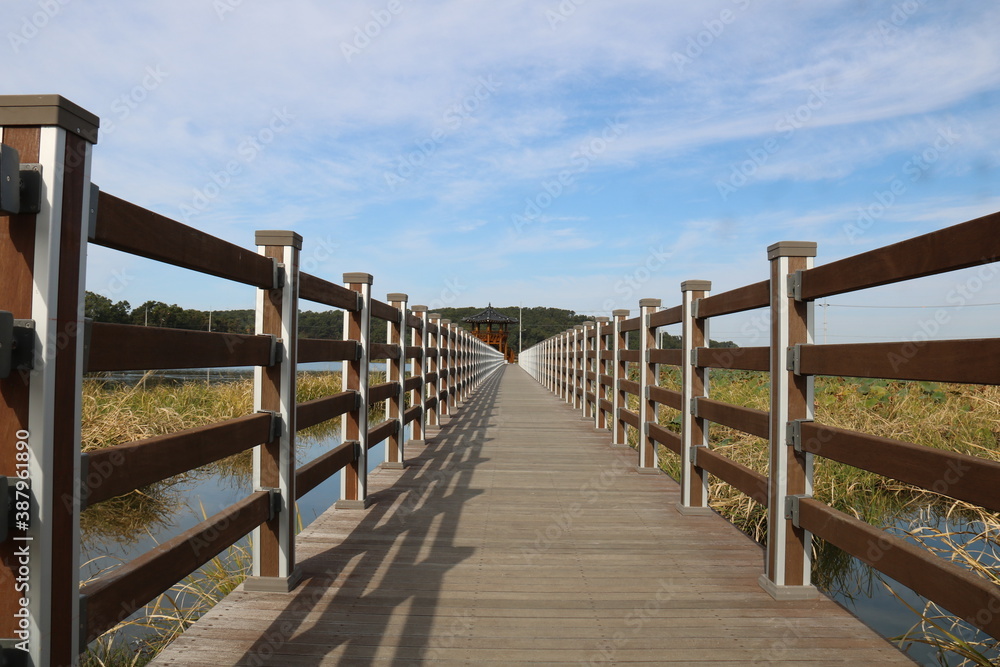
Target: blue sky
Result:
[[580, 154]]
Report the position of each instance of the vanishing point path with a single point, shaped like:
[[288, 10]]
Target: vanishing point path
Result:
[[518, 535]]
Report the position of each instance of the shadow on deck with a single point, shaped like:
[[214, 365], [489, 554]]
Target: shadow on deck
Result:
[[518, 535]]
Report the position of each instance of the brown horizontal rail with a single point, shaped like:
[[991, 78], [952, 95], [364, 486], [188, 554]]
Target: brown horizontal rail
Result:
[[124, 226], [964, 361], [629, 355], [666, 317], [414, 322], [411, 413], [605, 405], [414, 352], [749, 297], [608, 355], [750, 482], [668, 439], [382, 431], [958, 247], [607, 380], [314, 473], [316, 349], [630, 387], [630, 418], [412, 383], [672, 357], [630, 325], [431, 402], [320, 410], [432, 352], [748, 420], [958, 590], [322, 291], [953, 474], [127, 347], [123, 590], [117, 470], [591, 354], [667, 397], [432, 377], [735, 358], [382, 392], [384, 351], [384, 311], [591, 376]]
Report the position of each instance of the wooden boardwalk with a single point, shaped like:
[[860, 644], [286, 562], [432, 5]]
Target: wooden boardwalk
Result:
[[516, 535]]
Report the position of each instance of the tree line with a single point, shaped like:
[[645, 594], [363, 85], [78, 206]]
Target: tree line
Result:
[[536, 323]]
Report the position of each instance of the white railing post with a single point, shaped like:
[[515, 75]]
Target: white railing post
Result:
[[600, 369], [419, 395], [396, 372], [433, 399], [618, 399], [274, 568], [789, 548], [647, 378], [354, 424], [694, 384]]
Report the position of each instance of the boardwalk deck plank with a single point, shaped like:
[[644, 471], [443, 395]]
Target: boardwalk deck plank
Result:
[[516, 534]]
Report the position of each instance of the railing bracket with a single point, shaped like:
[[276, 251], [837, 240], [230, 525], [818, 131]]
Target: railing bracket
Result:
[[11, 656], [693, 407], [277, 504], [17, 344], [95, 195], [694, 307], [795, 285], [792, 508], [793, 433], [793, 359], [276, 424], [694, 357], [277, 351], [20, 184]]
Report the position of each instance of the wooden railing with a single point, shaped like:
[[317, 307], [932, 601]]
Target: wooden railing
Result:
[[43, 608], [591, 367]]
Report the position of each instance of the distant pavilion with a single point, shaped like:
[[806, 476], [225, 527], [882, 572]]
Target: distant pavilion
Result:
[[483, 329]]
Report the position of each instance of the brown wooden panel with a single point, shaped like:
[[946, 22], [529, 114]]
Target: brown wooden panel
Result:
[[737, 475], [591, 354], [955, 588], [384, 311], [319, 410], [414, 352], [605, 404], [432, 353], [608, 355], [672, 357], [668, 439], [757, 295], [965, 361], [384, 351], [126, 347], [127, 588], [316, 349], [737, 358], [667, 397], [322, 291], [412, 383], [607, 380], [382, 392], [117, 470], [630, 417], [431, 402], [630, 355], [748, 420], [379, 433], [630, 325], [630, 387], [431, 378], [411, 413], [665, 317], [414, 322], [591, 376], [314, 473], [959, 476], [960, 246], [124, 226]]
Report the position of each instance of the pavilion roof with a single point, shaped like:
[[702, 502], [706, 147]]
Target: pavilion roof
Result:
[[490, 315]]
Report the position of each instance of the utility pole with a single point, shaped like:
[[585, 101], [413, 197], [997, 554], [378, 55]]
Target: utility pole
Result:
[[520, 327]]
